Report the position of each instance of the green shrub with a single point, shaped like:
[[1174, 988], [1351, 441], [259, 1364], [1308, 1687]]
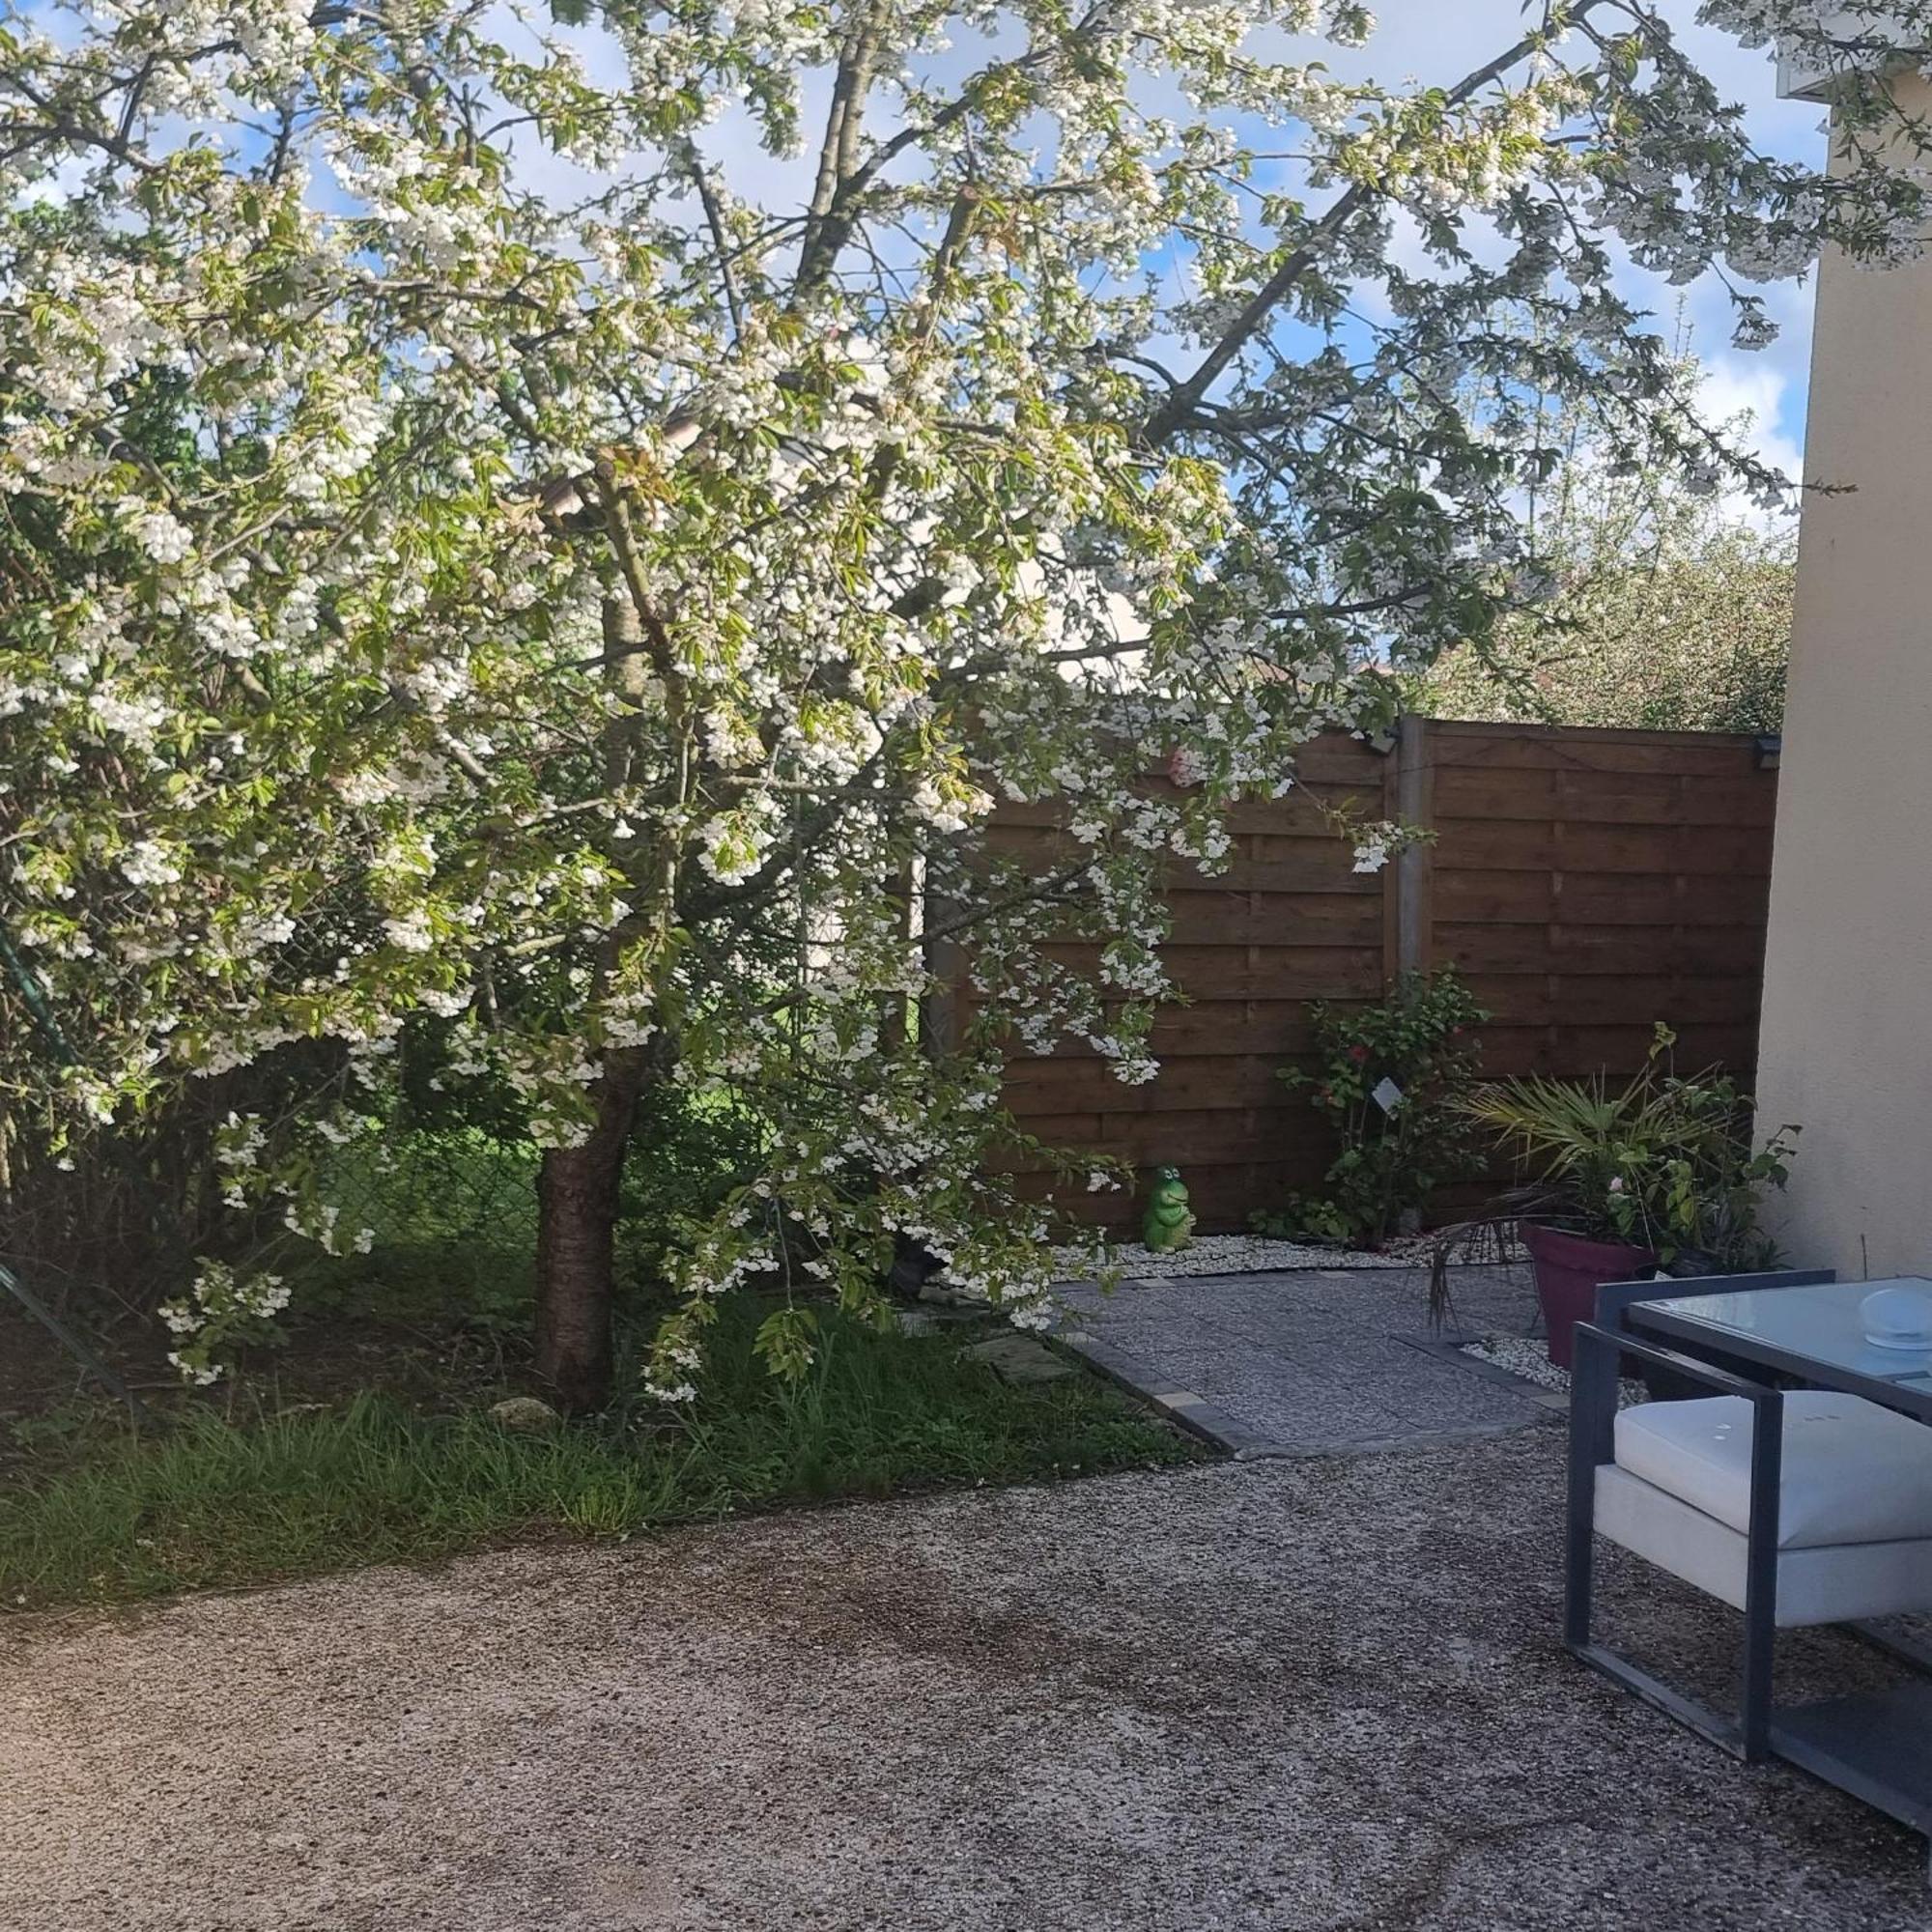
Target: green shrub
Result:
[[1391, 1158], [1666, 1163], [688, 1149]]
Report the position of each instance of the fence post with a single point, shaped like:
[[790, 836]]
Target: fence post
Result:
[[1412, 874]]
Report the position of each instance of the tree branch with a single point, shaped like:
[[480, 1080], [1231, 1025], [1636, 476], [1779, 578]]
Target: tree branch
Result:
[[1178, 408]]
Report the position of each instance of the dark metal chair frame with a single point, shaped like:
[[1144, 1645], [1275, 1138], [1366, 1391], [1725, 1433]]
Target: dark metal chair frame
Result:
[[1600, 1348], [1593, 1407]]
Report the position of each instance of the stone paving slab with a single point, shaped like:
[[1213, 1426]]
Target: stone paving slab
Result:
[[1314, 1360]]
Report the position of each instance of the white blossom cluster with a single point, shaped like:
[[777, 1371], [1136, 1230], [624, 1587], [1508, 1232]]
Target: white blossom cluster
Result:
[[222, 1309], [506, 603]]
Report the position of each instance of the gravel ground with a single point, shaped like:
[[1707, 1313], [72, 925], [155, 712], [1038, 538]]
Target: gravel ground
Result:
[[1243, 1254], [1529, 1356], [1524, 1355], [1324, 1693]]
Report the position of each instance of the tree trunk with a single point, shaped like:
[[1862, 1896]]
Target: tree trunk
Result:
[[577, 1223]]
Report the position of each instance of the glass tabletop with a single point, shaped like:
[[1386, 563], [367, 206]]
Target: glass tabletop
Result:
[[1819, 1325]]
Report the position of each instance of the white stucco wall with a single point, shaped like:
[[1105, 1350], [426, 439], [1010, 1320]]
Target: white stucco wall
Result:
[[1846, 1046]]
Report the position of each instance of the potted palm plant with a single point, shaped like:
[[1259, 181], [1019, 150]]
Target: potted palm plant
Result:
[[1662, 1174]]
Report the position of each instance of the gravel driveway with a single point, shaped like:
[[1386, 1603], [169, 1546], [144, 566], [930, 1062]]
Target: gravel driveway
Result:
[[1310, 1693]]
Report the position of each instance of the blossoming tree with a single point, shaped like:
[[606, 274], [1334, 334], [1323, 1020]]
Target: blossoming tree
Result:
[[532, 539]]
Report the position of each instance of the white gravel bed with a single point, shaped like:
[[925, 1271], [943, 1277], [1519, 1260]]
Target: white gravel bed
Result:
[[1521, 1356], [1244, 1254], [1529, 1356]]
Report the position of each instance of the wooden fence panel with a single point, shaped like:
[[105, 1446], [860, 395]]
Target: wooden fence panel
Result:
[[1586, 883]]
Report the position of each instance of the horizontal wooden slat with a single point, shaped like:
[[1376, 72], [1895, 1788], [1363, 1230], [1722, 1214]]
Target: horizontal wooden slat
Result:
[[1301, 811], [1324, 866], [1064, 1085], [1205, 1134], [1276, 971], [1584, 1052], [1727, 951], [1276, 1029], [1339, 759], [1518, 748], [1201, 1137], [1587, 883], [1505, 896], [1275, 919], [1543, 999], [1298, 810], [1475, 845], [1594, 798], [1330, 920]]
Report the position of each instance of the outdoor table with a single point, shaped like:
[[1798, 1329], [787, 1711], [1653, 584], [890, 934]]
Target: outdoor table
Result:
[[1811, 1332], [1876, 1745]]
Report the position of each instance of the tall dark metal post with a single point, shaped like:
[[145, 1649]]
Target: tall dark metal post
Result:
[[1761, 1574], [1593, 1397]]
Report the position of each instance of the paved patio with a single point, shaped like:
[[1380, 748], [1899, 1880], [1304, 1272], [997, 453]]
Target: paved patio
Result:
[[1322, 1695], [1281, 1364]]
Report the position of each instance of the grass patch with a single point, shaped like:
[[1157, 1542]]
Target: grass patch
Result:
[[226, 1500]]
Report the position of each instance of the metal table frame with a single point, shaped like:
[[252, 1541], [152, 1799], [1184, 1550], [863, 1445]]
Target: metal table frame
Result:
[[1877, 1747]]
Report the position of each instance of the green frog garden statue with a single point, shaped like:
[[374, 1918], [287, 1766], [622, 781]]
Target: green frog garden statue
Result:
[[1169, 1221]]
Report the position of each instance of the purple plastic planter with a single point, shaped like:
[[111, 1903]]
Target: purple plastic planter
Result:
[[1569, 1270]]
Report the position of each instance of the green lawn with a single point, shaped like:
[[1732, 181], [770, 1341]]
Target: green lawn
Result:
[[213, 1498]]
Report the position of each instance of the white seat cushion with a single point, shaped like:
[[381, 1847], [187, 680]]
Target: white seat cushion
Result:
[[1852, 1472], [1834, 1583]]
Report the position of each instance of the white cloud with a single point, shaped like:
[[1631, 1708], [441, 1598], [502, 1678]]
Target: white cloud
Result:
[[1734, 386]]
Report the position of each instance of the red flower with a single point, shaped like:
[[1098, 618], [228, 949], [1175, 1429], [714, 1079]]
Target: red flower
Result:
[[1358, 1054]]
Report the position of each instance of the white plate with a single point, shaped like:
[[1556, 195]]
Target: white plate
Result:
[[1916, 1345]]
